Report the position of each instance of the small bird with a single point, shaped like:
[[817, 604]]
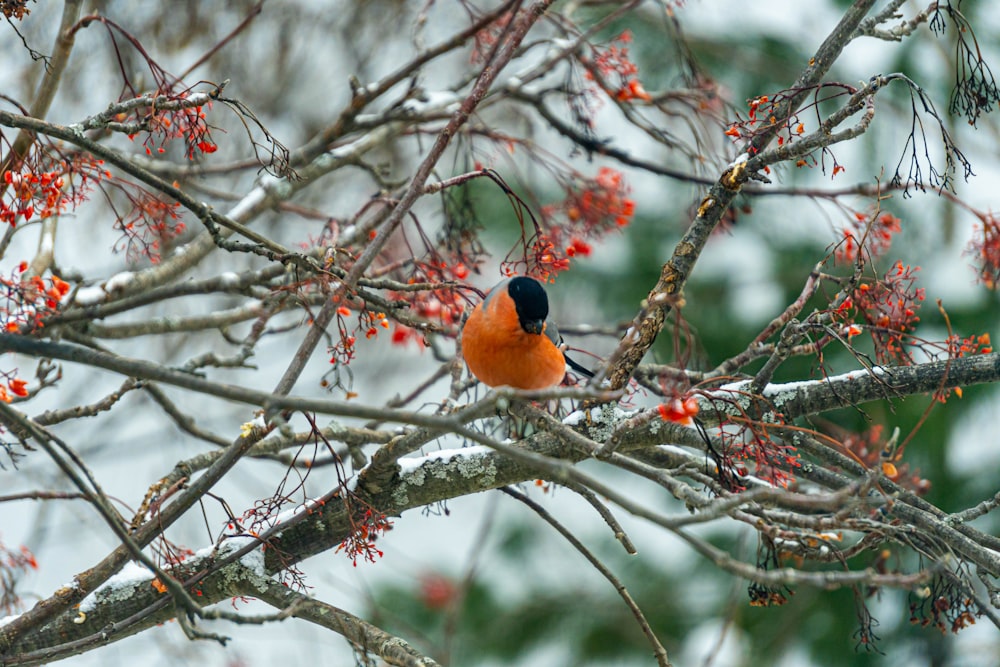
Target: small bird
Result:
[[507, 340]]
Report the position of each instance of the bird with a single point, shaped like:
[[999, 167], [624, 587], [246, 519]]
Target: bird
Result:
[[508, 341]]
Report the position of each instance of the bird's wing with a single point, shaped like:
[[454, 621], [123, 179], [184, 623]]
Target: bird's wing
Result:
[[553, 333]]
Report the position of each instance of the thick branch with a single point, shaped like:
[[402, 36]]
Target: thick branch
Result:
[[361, 633], [676, 271], [438, 478]]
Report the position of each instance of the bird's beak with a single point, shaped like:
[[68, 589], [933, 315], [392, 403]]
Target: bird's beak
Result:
[[533, 326]]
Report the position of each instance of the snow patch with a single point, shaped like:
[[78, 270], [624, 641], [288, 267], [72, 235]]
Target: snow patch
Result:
[[473, 463], [288, 514], [432, 101], [740, 159], [443, 456], [241, 210], [119, 587], [119, 281], [775, 389], [228, 280], [90, 296], [787, 387], [252, 560]]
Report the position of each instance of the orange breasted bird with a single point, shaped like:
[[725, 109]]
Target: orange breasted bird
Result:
[[507, 340]]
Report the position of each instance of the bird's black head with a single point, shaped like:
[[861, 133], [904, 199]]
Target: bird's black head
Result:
[[531, 302]]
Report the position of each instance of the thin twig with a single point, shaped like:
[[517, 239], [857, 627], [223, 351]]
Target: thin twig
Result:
[[658, 650]]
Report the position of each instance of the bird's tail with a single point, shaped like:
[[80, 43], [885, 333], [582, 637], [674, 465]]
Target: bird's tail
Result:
[[553, 333], [578, 368]]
